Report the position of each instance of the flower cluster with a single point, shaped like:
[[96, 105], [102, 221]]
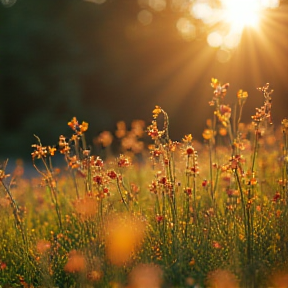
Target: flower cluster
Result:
[[79, 129], [220, 91], [264, 112]]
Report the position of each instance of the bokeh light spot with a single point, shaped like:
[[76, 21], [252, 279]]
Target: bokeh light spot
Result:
[[186, 29], [223, 55], [270, 3], [201, 11], [214, 39], [145, 17], [157, 5], [231, 40]]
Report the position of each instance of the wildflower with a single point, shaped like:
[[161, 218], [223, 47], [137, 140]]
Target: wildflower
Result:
[[219, 90], [236, 161], [145, 275], [105, 139], [42, 246], [187, 138], [94, 276], [276, 197], [223, 131], [159, 218], [216, 245], [204, 183], [242, 96], [137, 128], [124, 235], [123, 161], [84, 127], [121, 129], [192, 262], [153, 187], [76, 262], [188, 191], [163, 180], [156, 152], [189, 150], [156, 111], [112, 174], [207, 134], [285, 125], [74, 162], [98, 179], [79, 129], [63, 145], [265, 111], [153, 131], [232, 192], [3, 175], [222, 278], [98, 162], [39, 152], [86, 207], [51, 150], [3, 265]]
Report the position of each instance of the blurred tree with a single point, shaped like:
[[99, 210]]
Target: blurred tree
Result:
[[42, 66]]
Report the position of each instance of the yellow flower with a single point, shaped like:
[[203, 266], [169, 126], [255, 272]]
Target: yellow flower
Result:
[[242, 94], [187, 138], [51, 150], [285, 124], [214, 83], [207, 134], [84, 126], [156, 111]]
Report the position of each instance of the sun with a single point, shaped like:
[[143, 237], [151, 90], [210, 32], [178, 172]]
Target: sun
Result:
[[241, 13]]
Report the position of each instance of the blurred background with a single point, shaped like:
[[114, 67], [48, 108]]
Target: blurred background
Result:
[[106, 61]]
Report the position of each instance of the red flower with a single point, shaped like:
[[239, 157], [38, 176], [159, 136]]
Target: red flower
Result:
[[112, 174], [159, 218], [190, 150], [98, 179]]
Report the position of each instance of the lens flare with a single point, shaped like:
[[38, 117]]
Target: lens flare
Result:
[[241, 13]]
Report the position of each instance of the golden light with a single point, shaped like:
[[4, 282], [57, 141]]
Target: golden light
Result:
[[241, 13]]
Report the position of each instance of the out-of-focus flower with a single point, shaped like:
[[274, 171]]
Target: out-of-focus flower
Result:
[[124, 235], [121, 129], [222, 278], [187, 138], [112, 174], [219, 90], [86, 207], [137, 128], [105, 139], [285, 125], [242, 96], [145, 275], [207, 134], [42, 246], [123, 161], [156, 111], [76, 262]]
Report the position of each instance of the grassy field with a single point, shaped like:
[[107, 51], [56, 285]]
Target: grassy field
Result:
[[168, 214]]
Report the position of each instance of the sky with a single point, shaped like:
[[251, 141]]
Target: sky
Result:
[[123, 61]]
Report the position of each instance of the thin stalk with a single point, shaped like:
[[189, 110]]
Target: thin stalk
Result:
[[121, 195], [15, 210]]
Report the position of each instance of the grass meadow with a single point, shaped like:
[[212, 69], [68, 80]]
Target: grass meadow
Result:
[[160, 214]]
